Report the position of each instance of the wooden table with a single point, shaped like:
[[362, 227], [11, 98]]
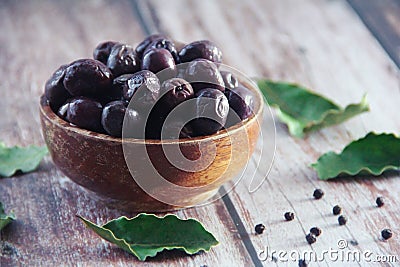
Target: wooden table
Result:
[[340, 49]]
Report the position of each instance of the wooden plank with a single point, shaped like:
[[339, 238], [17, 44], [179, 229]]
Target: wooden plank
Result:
[[383, 20], [320, 44], [292, 54], [47, 233]]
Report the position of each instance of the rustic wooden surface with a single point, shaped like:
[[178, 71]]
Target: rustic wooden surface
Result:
[[319, 43], [379, 15]]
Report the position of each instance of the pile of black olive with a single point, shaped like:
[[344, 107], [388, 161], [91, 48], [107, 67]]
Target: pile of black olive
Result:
[[145, 84]]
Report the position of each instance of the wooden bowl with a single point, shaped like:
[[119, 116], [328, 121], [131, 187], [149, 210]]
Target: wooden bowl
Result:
[[97, 161]]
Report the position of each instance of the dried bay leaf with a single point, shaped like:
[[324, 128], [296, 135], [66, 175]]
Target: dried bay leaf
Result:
[[146, 234], [305, 111], [25, 159], [372, 154]]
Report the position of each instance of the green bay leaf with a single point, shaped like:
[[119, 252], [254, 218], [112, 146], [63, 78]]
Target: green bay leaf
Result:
[[4, 218], [146, 234], [372, 154], [25, 159], [305, 111]]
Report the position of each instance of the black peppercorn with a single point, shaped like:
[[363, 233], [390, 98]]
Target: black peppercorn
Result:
[[342, 220], [302, 263], [337, 210], [318, 193], [259, 228], [354, 242], [380, 202], [386, 234], [316, 231], [311, 238], [289, 216]]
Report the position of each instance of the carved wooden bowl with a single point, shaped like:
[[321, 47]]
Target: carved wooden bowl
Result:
[[97, 161]]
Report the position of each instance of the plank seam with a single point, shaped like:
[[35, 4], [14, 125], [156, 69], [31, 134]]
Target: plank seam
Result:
[[149, 27], [244, 236], [379, 37], [140, 17], [147, 17]]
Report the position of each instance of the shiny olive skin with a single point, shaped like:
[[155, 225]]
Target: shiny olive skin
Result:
[[175, 130], [241, 103], [142, 46], [166, 44], [123, 59], [156, 126], [174, 91], [62, 111], [126, 82], [230, 80], [112, 117], [201, 49], [84, 113], [203, 74], [103, 50], [87, 77], [181, 70], [212, 108], [116, 91], [157, 60], [143, 88], [134, 124], [54, 89], [120, 85]]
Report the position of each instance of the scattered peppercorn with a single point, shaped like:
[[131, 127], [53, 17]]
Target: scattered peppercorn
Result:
[[318, 193], [354, 242], [380, 202], [316, 231], [342, 220], [289, 216], [337, 210], [386, 234], [259, 228], [302, 263], [311, 238]]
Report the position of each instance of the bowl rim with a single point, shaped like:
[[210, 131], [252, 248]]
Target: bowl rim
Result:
[[46, 111]]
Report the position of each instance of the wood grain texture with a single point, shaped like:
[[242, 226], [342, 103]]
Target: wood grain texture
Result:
[[47, 233], [383, 20], [321, 44]]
